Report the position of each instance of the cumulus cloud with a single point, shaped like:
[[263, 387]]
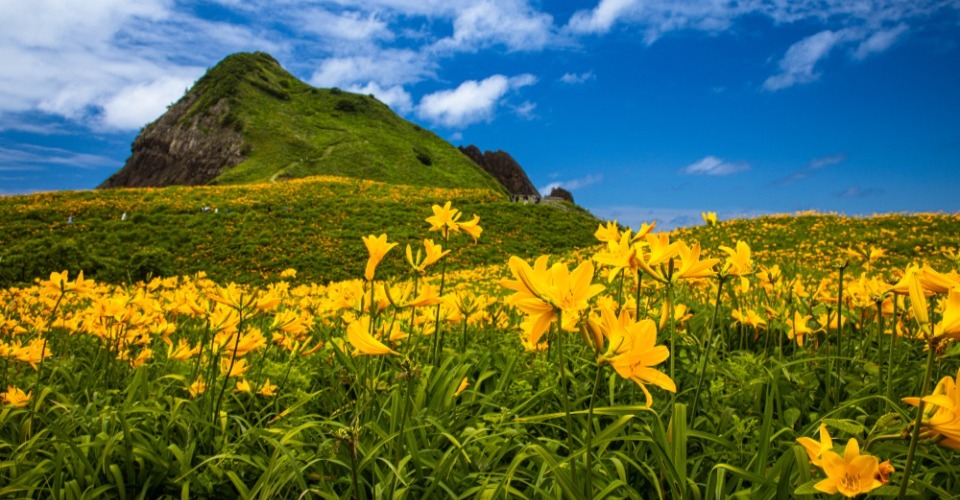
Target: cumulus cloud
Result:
[[141, 103], [797, 66], [471, 102], [711, 165], [573, 184], [511, 23], [577, 78], [387, 68], [398, 99]]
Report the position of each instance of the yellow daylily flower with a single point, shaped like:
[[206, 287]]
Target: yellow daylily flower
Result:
[[799, 328], [15, 397], [632, 351], [377, 247], [444, 219], [472, 227], [850, 475], [267, 389], [462, 387], [358, 334], [738, 262], [815, 449]]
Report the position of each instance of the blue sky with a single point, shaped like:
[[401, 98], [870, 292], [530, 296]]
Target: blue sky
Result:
[[645, 110]]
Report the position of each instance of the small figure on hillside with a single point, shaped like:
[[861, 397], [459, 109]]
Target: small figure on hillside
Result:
[[216, 210], [124, 216], [70, 219]]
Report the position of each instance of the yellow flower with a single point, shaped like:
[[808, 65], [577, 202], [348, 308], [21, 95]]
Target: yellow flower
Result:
[[267, 389], [472, 227], [850, 475], [941, 413], [815, 449], [710, 218], [608, 233], [799, 328], [543, 293], [738, 261], [462, 387], [378, 247], [197, 388], [288, 273], [949, 326], [183, 351], [661, 252], [358, 334], [238, 369], [243, 386], [632, 351], [433, 253], [691, 267], [444, 219], [15, 397]]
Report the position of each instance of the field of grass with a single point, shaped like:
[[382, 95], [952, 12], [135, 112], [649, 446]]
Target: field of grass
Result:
[[253, 232], [626, 368]]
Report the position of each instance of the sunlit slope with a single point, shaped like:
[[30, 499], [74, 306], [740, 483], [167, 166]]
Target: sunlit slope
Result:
[[254, 231], [818, 243]]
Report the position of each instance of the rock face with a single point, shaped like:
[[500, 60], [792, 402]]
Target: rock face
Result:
[[563, 194], [504, 168], [180, 149]]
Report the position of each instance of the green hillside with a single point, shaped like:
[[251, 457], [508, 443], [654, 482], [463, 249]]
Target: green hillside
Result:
[[293, 130], [313, 225]]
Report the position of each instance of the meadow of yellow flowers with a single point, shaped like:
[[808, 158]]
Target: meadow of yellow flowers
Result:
[[649, 366]]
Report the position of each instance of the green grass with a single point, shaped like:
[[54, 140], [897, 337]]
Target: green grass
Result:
[[293, 130], [314, 226]]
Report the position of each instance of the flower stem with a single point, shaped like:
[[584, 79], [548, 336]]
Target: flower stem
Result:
[[588, 456], [915, 436], [706, 353], [565, 392]]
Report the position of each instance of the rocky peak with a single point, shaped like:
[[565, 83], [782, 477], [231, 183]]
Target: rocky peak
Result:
[[504, 168], [562, 194]]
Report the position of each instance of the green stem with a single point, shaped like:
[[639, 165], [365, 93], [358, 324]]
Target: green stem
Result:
[[565, 392], [589, 443], [706, 353], [639, 288], [893, 344], [623, 273], [840, 334], [915, 437], [437, 343]]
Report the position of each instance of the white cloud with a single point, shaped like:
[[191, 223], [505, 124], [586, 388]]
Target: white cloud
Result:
[[711, 165], [577, 78], [139, 104], [398, 99], [486, 23], [29, 157], [525, 110], [471, 102], [387, 68], [879, 41], [826, 161], [347, 26], [797, 66], [573, 184], [601, 18]]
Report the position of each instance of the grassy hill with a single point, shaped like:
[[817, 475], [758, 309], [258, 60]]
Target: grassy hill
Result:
[[313, 225], [289, 129]]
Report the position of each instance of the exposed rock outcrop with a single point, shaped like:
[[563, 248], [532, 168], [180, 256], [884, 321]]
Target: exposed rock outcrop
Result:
[[182, 150], [504, 168], [560, 193]]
